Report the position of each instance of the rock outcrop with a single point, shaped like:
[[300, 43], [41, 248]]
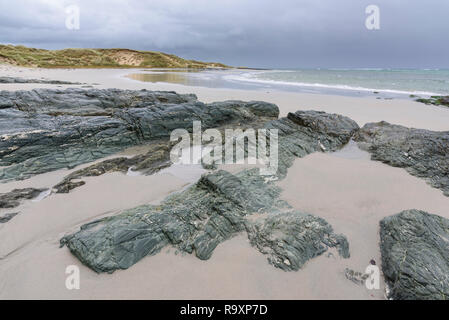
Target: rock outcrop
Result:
[[290, 239], [415, 255], [82, 102], [422, 153], [44, 130], [194, 221], [220, 205], [313, 131], [198, 219]]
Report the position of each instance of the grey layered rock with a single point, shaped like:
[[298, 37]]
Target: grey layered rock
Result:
[[302, 133], [198, 219], [356, 276], [309, 131], [77, 101], [194, 221], [291, 239], [415, 255], [44, 130], [422, 153], [221, 205]]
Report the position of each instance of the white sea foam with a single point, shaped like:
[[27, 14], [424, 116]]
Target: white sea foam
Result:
[[249, 77]]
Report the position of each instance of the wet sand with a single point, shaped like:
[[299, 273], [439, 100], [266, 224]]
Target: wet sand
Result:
[[346, 188], [351, 194]]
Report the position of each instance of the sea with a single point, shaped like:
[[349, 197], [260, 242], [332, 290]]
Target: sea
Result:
[[384, 83]]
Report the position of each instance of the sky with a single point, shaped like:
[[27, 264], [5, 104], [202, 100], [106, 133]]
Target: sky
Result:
[[253, 33]]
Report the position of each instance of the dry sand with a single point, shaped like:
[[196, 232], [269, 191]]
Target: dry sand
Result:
[[346, 188]]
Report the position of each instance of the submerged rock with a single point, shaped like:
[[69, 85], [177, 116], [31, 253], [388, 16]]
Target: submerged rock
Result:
[[44, 130], [415, 255], [13, 198], [422, 153]]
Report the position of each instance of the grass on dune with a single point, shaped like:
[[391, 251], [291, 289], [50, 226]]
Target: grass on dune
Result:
[[96, 58]]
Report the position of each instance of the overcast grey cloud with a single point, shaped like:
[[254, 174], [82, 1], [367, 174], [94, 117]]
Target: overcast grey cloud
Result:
[[256, 33]]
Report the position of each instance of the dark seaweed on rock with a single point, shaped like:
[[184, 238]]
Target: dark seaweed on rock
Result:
[[436, 100], [415, 255]]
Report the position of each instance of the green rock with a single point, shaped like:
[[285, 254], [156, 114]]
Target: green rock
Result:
[[415, 255], [422, 153], [44, 130]]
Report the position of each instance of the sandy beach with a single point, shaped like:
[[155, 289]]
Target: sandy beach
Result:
[[350, 191]]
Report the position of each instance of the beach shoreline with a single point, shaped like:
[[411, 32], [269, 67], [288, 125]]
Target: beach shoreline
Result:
[[346, 188], [363, 110]]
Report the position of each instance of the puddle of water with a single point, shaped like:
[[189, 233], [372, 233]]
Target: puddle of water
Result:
[[133, 173], [187, 172], [188, 166], [351, 151]]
